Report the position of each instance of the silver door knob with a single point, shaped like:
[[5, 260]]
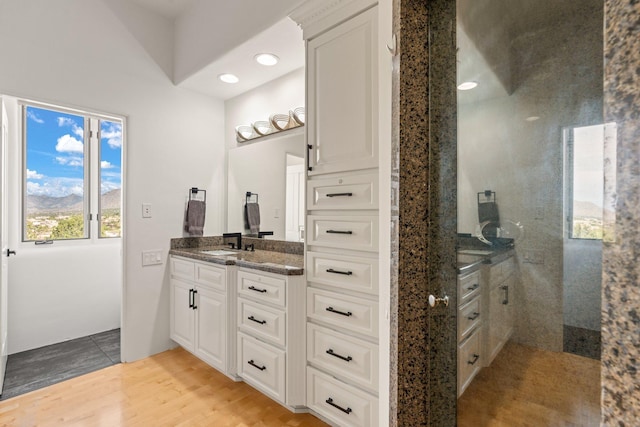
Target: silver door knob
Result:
[[433, 301]]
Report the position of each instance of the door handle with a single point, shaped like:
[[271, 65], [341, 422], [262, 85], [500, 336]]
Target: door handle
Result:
[[433, 301], [10, 252]]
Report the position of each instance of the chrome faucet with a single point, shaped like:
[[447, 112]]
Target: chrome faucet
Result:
[[238, 236]]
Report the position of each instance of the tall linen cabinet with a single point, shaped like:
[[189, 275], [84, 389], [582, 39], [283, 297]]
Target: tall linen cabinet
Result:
[[343, 245]]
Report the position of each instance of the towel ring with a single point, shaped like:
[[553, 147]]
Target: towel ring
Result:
[[193, 193]]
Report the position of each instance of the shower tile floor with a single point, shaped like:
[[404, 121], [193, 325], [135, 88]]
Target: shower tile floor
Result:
[[41, 367]]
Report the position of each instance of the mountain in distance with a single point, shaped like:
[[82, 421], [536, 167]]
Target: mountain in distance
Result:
[[587, 209], [71, 203]]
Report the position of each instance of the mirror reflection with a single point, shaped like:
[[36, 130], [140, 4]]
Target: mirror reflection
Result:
[[271, 170], [530, 171]]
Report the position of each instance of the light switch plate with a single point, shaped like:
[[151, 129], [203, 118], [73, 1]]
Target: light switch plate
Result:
[[153, 257]]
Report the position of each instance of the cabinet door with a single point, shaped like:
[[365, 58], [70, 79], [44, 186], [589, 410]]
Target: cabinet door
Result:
[[182, 316], [496, 319], [211, 325], [342, 95]]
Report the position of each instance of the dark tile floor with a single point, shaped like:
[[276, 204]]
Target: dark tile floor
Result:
[[41, 367], [583, 342]]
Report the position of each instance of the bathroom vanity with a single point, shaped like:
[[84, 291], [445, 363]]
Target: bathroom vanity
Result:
[[486, 285], [242, 312]]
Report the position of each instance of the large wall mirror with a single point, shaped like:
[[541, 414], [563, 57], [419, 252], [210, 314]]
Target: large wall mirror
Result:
[[272, 170]]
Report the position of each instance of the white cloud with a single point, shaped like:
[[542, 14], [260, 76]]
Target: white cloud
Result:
[[106, 186], [105, 165], [112, 132], [34, 175], [34, 117], [65, 121], [56, 187], [70, 161], [68, 144]]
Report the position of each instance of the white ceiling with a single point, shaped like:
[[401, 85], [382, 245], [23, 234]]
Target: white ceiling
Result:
[[284, 39], [167, 8]]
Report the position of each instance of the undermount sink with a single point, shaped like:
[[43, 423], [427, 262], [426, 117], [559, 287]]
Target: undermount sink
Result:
[[219, 252]]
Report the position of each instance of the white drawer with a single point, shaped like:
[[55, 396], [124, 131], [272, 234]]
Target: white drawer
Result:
[[262, 365], [340, 403], [468, 287], [347, 357], [345, 272], [211, 276], [345, 232], [468, 317], [344, 192], [352, 313], [264, 322], [468, 361], [181, 268], [262, 288]]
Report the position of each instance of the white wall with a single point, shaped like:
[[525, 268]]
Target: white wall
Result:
[[78, 53]]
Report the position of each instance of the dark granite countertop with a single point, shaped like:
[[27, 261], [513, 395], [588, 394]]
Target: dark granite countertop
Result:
[[470, 259], [273, 262]]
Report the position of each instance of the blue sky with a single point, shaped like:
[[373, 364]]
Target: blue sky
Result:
[[55, 153]]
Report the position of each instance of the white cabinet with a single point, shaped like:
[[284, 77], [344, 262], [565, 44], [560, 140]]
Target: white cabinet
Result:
[[470, 321], [499, 327], [199, 314], [342, 222], [342, 88], [271, 334]]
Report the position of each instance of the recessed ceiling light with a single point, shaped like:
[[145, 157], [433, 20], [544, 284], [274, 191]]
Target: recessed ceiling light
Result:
[[532, 118], [228, 78], [467, 85], [267, 59]]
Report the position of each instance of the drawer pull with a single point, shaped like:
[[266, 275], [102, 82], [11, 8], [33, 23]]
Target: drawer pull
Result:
[[505, 288], [190, 298], [252, 363], [339, 232], [475, 359], [346, 359], [253, 288], [339, 194], [262, 322], [333, 310], [346, 273], [474, 316], [346, 411], [195, 307], [473, 287]]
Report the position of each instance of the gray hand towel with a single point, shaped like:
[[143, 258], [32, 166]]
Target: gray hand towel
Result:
[[252, 217], [194, 217]]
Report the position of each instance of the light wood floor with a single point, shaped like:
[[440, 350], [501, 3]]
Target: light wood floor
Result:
[[169, 389], [529, 387]]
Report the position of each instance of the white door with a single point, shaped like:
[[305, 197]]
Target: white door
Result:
[[4, 135]]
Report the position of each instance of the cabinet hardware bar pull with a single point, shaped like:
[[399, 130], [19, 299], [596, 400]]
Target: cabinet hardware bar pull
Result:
[[262, 322], [43, 242], [333, 310], [346, 411], [339, 232], [195, 291], [474, 316], [339, 194], [190, 298], [253, 288], [346, 359], [346, 273], [473, 287], [252, 363], [505, 288], [475, 359], [309, 149]]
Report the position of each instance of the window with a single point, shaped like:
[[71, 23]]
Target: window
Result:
[[72, 175], [586, 208]]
